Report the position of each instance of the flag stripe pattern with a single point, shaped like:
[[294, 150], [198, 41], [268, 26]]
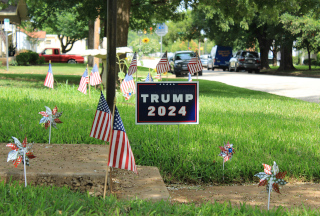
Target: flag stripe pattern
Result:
[[83, 82], [49, 78], [194, 65], [120, 155], [267, 169], [133, 66], [95, 78], [163, 65], [128, 86], [101, 126]]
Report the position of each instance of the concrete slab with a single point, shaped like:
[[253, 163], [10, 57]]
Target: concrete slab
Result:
[[83, 167]]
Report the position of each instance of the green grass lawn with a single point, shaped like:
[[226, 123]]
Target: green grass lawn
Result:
[[263, 128], [301, 70], [40, 200]]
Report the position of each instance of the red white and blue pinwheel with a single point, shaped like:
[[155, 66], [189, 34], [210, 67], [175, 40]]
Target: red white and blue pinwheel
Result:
[[227, 151], [20, 153], [272, 178], [50, 118]]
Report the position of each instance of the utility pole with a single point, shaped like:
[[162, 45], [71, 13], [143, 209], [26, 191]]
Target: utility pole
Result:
[[111, 51]]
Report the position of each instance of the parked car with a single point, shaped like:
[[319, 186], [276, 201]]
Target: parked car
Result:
[[181, 60], [245, 60], [220, 56], [204, 60], [54, 55]]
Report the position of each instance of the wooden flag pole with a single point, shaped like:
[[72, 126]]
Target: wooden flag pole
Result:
[[88, 81], [106, 179]]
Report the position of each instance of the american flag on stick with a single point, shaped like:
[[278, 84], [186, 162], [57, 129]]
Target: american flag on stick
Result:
[[128, 87], [163, 65], [49, 78], [133, 66], [195, 65], [95, 78], [149, 78], [120, 154], [83, 82], [101, 126]]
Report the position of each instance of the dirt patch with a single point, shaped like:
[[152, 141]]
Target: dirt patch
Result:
[[83, 167], [292, 195]]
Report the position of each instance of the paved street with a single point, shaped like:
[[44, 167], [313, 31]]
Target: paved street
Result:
[[303, 88]]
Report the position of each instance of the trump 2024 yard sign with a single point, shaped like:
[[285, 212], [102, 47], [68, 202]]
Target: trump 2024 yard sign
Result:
[[167, 103]]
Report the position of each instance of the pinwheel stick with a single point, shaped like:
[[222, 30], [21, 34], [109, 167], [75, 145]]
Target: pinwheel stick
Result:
[[223, 168], [49, 132], [269, 195], [106, 179], [25, 170]]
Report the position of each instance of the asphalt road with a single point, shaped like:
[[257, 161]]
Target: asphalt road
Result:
[[304, 88]]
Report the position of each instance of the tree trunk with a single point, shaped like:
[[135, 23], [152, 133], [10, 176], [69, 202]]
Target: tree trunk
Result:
[[286, 62], [309, 60], [123, 17], [264, 45], [275, 54], [91, 41]]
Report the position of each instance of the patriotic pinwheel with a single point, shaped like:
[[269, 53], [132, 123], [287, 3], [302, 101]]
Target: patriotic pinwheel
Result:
[[50, 118], [272, 178], [20, 153], [227, 151]]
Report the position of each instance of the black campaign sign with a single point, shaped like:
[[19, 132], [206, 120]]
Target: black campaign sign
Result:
[[167, 103]]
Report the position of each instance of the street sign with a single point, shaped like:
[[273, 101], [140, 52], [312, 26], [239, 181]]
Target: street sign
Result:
[[167, 103], [162, 29], [6, 24]]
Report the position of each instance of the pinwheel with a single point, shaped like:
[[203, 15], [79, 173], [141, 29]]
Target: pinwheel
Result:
[[272, 178], [50, 118], [227, 152], [20, 152]]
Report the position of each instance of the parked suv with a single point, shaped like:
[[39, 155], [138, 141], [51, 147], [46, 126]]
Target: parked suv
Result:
[[181, 60], [245, 60]]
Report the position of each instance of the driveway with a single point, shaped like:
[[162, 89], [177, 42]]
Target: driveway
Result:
[[304, 88]]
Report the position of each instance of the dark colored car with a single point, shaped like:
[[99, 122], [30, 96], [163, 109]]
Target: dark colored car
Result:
[[181, 60], [245, 60]]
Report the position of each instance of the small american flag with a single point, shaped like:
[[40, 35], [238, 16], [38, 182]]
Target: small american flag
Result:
[[163, 65], [49, 78], [149, 78], [195, 65], [133, 66], [190, 78], [101, 126], [83, 82], [120, 155], [128, 87], [95, 78]]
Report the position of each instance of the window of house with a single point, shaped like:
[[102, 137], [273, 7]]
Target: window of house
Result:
[[48, 42]]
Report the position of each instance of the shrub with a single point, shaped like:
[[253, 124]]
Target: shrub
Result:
[[41, 60], [313, 62], [22, 58], [33, 57], [13, 62], [28, 57]]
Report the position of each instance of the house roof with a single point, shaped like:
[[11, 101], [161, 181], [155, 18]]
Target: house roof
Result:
[[16, 13], [35, 34]]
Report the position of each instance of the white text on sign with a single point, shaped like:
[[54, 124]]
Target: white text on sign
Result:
[[165, 98]]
